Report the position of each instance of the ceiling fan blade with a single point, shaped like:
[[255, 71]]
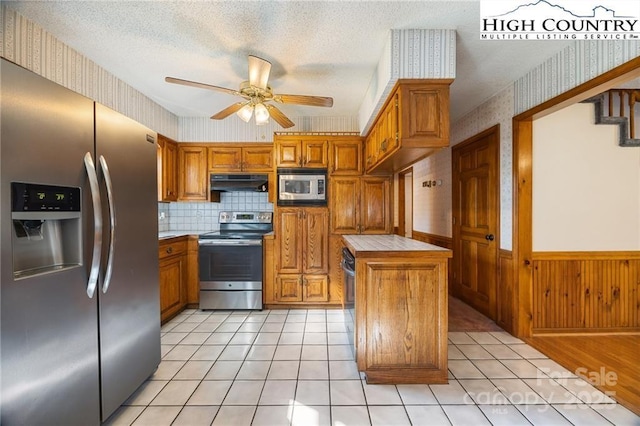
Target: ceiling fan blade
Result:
[[228, 111], [320, 101], [280, 118], [201, 85], [259, 70]]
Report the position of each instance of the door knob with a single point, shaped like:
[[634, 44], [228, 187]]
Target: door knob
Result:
[[489, 237]]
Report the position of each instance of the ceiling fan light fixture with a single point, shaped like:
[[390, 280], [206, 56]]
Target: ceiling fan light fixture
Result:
[[245, 113], [262, 114]]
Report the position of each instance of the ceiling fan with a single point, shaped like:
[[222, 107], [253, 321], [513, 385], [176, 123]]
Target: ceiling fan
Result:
[[257, 95]]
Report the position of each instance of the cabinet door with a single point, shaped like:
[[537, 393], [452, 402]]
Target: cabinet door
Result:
[[289, 153], [375, 214], [170, 171], [289, 288], [193, 177], [389, 138], [160, 167], [225, 159], [371, 147], [315, 153], [315, 288], [172, 297], [343, 204], [269, 272], [346, 157], [257, 159], [290, 241], [167, 169], [316, 245]]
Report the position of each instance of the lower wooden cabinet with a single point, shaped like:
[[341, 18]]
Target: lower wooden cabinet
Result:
[[193, 278], [302, 288], [173, 277]]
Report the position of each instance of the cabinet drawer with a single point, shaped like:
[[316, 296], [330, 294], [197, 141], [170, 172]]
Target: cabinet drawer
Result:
[[172, 247]]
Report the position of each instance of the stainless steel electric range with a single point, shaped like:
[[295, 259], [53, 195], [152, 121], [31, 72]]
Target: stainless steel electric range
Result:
[[230, 261]]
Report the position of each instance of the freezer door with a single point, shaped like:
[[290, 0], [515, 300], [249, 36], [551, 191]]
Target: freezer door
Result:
[[130, 307], [48, 324]]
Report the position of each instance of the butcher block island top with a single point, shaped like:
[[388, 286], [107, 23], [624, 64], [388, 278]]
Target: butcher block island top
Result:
[[400, 309]]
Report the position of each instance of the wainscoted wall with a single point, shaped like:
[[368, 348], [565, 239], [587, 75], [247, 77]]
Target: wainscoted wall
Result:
[[569, 68], [586, 291], [233, 129], [434, 207], [32, 47], [432, 211], [505, 302]]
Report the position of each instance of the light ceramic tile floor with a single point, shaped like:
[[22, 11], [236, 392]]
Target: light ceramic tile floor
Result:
[[295, 368]]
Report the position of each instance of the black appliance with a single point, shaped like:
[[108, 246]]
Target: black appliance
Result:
[[239, 182], [349, 304], [230, 261]]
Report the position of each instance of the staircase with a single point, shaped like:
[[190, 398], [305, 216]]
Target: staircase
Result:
[[618, 106]]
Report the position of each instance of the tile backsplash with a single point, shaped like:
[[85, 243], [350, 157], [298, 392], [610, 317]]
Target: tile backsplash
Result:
[[203, 216]]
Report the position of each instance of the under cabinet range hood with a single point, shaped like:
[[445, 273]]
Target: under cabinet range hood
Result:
[[239, 182]]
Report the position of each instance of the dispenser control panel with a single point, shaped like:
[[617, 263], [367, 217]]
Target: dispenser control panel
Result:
[[31, 197]]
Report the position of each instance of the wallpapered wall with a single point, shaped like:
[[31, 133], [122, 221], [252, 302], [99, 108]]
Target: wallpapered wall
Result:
[[571, 67], [233, 129], [32, 47]]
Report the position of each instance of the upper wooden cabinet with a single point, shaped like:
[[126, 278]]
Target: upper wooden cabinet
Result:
[[360, 205], [167, 169], [345, 156], [229, 158], [413, 123], [193, 177], [302, 151]]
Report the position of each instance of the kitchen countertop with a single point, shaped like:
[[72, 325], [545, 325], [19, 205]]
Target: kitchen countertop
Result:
[[391, 244], [174, 234]]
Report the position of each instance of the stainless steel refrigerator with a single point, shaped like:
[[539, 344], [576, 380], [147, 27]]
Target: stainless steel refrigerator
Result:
[[79, 311]]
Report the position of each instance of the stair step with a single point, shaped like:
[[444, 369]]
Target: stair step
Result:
[[622, 122]]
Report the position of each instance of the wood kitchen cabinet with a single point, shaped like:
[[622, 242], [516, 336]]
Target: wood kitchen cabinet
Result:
[[301, 151], [234, 158], [193, 177], [400, 309], [301, 255], [413, 123], [167, 169], [173, 277], [345, 156], [360, 205]]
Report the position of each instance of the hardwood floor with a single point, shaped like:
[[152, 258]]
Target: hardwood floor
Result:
[[463, 317], [611, 362]]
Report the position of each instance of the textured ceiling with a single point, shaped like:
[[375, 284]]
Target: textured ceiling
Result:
[[316, 48]]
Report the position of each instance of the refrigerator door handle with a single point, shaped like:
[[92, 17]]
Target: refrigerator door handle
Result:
[[97, 224], [112, 223]]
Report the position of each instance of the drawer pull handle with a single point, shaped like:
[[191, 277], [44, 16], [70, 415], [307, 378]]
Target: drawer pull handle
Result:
[[169, 250]]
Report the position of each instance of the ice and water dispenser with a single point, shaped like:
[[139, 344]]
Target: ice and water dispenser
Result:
[[47, 228]]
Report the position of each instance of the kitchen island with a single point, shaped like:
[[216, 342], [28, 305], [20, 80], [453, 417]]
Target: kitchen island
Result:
[[400, 309]]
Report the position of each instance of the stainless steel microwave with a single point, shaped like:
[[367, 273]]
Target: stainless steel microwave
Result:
[[302, 187]]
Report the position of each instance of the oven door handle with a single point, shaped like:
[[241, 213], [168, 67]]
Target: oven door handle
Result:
[[229, 242]]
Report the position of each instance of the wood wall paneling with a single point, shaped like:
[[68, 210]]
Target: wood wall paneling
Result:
[[505, 295], [588, 292]]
